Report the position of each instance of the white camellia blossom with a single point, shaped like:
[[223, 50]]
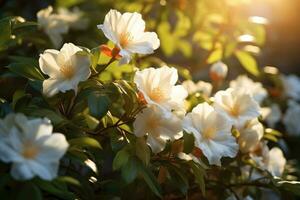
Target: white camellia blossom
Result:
[[65, 69], [31, 147], [127, 32], [158, 127], [276, 162], [272, 160], [291, 86], [212, 132], [250, 135], [291, 118], [52, 25], [238, 106], [247, 85], [218, 71], [201, 86], [158, 88]]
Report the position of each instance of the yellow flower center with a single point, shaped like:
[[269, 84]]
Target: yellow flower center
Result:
[[67, 71], [209, 133], [157, 95], [235, 110], [30, 151], [124, 39]]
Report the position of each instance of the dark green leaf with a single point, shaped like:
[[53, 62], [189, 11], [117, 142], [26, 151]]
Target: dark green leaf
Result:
[[85, 142], [129, 170], [98, 104], [188, 143], [120, 159], [142, 150], [29, 191], [27, 70]]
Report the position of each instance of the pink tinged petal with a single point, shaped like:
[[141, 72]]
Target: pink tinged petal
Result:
[[156, 144], [21, 171], [44, 170], [48, 64]]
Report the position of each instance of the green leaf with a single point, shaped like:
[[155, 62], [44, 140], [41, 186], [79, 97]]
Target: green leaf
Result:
[[150, 179], [98, 104], [69, 180], [5, 33], [54, 117], [188, 142], [178, 178], [27, 70], [199, 175], [53, 189], [248, 62], [120, 159], [29, 191], [85, 142], [291, 186], [142, 150], [215, 56], [129, 170]]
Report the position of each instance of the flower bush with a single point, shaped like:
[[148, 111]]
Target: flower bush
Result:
[[95, 106]]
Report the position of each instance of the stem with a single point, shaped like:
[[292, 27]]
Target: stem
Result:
[[105, 66]]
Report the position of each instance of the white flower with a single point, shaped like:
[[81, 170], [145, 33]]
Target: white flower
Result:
[[272, 160], [204, 87], [276, 162], [250, 135], [212, 132], [291, 119], [237, 105], [65, 69], [218, 71], [127, 32], [74, 18], [291, 86], [158, 127], [31, 147], [271, 114], [158, 87], [52, 25], [247, 85]]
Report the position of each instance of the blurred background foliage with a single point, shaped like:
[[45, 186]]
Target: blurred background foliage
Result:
[[193, 34]]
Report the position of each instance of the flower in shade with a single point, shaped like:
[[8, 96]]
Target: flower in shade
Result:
[[291, 118], [158, 127], [218, 71], [74, 18], [31, 147], [203, 87], [236, 105], [212, 132], [291, 86], [272, 160], [158, 87], [65, 68], [250, 135], [52, 25], [127, 32], [271, 114], [276, 162], [247, 85]]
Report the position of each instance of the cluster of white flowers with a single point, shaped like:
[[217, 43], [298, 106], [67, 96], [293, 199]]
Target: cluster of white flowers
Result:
[[34, 151], [56, 24], [31, 147]]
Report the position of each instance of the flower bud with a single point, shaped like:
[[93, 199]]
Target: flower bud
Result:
[[218, 71]]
